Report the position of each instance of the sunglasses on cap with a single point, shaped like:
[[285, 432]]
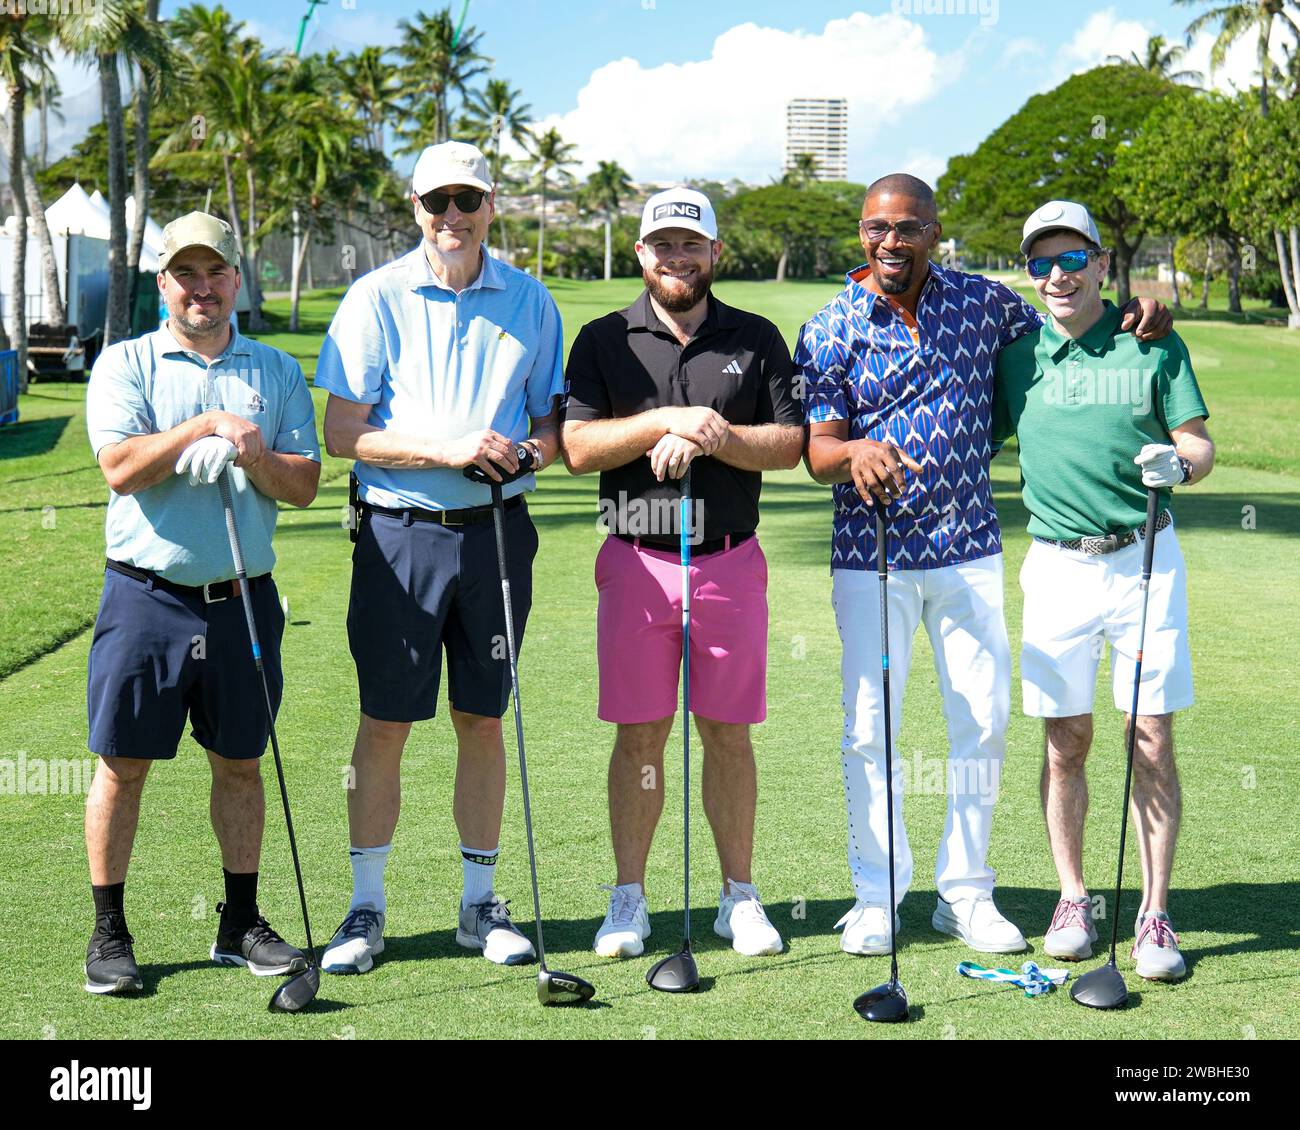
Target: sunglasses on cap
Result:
[[1041, 266], [467, 200]]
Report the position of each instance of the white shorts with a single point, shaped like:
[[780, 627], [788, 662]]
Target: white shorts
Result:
[[1075, 604]]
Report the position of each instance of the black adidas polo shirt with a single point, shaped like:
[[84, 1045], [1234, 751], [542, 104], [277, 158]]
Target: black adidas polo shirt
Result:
[[629, 362]]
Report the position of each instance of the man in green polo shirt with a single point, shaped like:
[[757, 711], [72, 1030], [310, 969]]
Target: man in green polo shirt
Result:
[[1100, 417]]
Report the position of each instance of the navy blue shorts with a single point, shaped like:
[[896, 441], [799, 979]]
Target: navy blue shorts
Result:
[[423, 588], [157, 658]]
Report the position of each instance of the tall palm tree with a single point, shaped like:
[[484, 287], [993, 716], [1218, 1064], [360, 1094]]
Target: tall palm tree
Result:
[[370, 84], [439, 61], [1160, 58], [803, 170], [38, 73], [18, 52], [48, 97], [552, 157], [112, 34], [1235, 21], [496, 111], [605, 190], [153, 72]]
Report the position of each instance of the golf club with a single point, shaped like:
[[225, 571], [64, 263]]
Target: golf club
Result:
[[886, 1003], [300, 990], [678, 973], [1104, 987], [552, 987]]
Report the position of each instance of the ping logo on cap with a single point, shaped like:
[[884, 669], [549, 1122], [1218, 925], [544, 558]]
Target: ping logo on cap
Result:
[[677, 208]]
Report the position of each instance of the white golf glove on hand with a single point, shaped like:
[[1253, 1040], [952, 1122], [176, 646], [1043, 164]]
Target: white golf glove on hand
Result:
[[1160, 465], [205, 458]]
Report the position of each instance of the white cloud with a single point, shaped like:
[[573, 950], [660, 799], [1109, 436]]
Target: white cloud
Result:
[[1103, 34], [724, 116], [1240, 70]]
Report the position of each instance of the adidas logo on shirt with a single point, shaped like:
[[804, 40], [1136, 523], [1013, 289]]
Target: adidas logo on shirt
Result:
[[734, 369]]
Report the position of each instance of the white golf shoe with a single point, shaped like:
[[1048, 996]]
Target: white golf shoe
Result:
[[1156, 948], [487, 926], [1071, 934], [866, 929], [356, 942], [627, 922], [743, 922], [978, 923]]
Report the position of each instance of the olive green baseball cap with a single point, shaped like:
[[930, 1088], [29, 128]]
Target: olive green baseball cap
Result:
[[198, 229]]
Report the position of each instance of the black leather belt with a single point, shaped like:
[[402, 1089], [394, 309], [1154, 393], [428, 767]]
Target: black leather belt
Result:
[[466, 517], [212, 592], [709, 545], [1095, 547]]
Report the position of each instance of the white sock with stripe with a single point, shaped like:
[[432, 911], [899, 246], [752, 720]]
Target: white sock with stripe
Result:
[[368, 876], [478, 867]]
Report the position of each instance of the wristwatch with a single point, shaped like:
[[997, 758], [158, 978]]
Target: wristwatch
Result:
[[1186, 465], [536, 449]]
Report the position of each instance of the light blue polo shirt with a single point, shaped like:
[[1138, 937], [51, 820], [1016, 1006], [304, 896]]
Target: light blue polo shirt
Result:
[[150, 384], [439, 364]]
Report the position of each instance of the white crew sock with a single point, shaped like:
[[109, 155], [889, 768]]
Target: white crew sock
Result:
[[368, 877], [478, 867]]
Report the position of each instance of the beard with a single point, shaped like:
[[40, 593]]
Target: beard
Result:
[[205, 325], [898, 284], [679, 300]]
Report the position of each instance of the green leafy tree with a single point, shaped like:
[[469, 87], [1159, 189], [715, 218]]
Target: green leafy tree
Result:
[[605, 190], [552, 158], [436, 64], [496, 111], [797, 219], [1062, 144], [1160, 58], [371, 87], [1236, 21], [1175, 174]]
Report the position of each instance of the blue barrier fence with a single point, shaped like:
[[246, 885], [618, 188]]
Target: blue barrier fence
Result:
[[8, 386]]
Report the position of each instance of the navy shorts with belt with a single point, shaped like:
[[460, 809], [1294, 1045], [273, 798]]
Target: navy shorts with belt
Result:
[[421, 588], [159, 657]]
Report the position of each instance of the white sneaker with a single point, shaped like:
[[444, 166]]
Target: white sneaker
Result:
[[743, 923], [866, 929], [627, 922], [978, 923], [486, 926], [356, 942]]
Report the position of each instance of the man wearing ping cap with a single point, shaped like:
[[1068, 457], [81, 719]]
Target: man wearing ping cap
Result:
[[442, 359], [167, 413], [1101, 417], [680, 380]]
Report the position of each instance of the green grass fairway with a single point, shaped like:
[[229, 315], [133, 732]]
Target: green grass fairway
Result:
[[1234, 882]]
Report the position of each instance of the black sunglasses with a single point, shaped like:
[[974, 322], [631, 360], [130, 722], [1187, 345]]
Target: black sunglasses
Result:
[[467, 200]]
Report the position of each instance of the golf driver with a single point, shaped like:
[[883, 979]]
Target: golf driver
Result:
[[886, 1003], [300, 990], [552, 987], [678, 973], [1104, 987]]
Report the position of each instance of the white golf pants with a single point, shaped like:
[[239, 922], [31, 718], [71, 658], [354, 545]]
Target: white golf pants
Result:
[[961, 608]]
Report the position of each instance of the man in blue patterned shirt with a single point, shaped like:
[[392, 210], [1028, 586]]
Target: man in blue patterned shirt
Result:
[[897, 372]]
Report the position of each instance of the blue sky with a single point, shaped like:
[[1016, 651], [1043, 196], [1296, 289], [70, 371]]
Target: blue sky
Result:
[[678, 90]]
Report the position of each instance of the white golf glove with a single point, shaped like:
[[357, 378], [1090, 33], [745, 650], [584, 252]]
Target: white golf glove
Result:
[[205, 458], [1160, 465]]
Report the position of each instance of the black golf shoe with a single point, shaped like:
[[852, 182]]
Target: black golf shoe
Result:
[[110, 962], [253, 943]]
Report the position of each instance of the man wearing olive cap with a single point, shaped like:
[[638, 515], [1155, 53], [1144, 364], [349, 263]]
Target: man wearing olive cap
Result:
[[167, 413]]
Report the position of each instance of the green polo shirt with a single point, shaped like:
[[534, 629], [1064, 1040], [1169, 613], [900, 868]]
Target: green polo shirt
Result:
[[1082, 409]]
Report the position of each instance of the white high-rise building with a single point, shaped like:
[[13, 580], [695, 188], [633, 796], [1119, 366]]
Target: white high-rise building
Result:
[[819, 126]]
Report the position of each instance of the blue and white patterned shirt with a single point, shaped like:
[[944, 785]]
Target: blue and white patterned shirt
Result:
[[928, 389]]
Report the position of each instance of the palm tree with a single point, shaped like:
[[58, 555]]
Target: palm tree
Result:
[[1239, 19], [153, 71], [493, 112], [18, 51], [438, 62], [552, 158], [39, 72], [803, 171], [605, 190], [370, 85], [113, 33], [1160, 58], [48, 95]]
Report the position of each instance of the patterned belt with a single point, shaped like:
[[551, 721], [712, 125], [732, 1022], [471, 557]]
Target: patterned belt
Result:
[[1093, 547]]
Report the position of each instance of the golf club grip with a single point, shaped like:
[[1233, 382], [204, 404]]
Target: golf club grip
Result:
[[228, 504], [498, 508], [1149, 549]]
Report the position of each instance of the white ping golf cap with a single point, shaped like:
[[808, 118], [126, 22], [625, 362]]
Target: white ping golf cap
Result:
[[679, 208], [1059, 214], [452, 162]]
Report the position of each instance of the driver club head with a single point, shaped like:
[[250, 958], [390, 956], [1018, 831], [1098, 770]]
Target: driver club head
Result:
[[297, 992], [675, 974], [886, 1004], [1101, 988], [554, 987]]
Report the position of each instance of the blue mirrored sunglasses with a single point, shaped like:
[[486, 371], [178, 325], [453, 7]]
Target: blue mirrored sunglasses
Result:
[[1041, 266]]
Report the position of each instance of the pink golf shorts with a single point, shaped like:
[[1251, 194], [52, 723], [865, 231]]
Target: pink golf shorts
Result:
[[639, 632]]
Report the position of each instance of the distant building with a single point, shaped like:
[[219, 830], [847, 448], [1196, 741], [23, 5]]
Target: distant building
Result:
[[819, 126]]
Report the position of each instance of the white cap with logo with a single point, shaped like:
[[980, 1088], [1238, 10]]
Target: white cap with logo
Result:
[[1056, 214], [452, 162], [679, 208]]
